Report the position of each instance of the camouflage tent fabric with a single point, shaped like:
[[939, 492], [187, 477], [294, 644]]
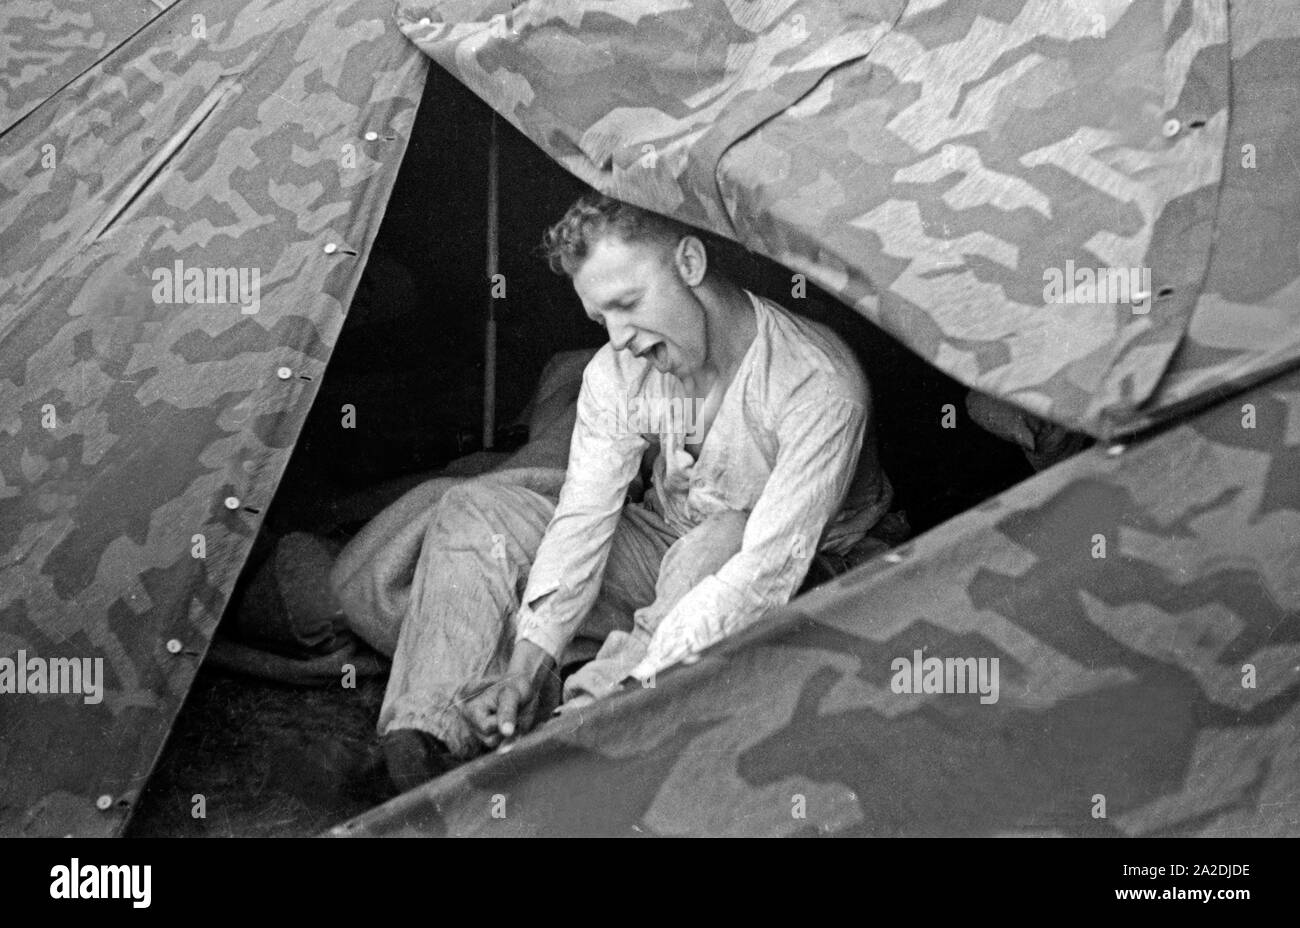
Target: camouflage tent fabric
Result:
[[1144, 611], [45, 45], [182, 225], [1028, 193]]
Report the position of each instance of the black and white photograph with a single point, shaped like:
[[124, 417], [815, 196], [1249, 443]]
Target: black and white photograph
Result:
[[651, 418]]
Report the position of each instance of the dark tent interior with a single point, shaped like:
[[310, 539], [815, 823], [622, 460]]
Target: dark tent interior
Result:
[[410, 364]]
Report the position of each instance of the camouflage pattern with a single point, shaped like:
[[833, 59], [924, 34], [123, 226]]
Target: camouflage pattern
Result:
[[222, 134], [1246, 320], [929, 161], [1162, 679], [46, 44]]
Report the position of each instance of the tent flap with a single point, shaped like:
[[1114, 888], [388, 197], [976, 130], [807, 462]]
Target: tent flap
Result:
[[181, 230], [1025, 194]]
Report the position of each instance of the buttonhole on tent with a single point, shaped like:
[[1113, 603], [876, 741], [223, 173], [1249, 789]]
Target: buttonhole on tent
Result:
[[253, 509], [304, 376]]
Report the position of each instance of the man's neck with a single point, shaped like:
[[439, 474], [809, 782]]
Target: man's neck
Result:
[[731, 327]]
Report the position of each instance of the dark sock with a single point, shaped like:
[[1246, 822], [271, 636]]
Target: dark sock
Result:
[[414, 757]]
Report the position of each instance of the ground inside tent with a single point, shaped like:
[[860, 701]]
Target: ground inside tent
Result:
[[252, 757]]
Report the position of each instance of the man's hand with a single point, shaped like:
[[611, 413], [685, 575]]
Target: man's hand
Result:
[[510, 704]]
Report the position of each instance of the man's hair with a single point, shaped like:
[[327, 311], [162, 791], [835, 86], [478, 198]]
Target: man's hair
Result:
[[595, 216]]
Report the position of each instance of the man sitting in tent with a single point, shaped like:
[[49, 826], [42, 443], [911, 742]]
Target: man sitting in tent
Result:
[[756, 426]]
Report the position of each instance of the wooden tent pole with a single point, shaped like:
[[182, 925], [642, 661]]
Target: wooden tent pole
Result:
[[490, 335]]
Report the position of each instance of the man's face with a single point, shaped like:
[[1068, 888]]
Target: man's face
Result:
[[640, 293]]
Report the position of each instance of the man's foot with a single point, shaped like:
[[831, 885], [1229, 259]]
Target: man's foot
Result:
[[414, 757], [366, 778]]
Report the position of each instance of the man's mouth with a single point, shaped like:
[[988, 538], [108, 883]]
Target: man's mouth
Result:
[[655, 353]]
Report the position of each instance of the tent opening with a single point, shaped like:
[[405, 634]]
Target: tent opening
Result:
[[401, 401]]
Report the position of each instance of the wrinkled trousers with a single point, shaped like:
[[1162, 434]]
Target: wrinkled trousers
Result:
[[458, 629]]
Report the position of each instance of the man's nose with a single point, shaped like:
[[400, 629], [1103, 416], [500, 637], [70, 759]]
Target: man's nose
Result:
[[620, 336]]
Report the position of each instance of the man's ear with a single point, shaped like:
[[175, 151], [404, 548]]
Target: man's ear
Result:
[[691, 259]]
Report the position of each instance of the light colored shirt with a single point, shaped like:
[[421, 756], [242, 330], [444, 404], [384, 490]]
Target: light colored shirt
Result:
[[791, 443]]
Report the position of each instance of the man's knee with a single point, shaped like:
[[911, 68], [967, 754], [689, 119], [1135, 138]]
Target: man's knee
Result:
[[471, 499], [726, 527], [482, 506], [502, 521]]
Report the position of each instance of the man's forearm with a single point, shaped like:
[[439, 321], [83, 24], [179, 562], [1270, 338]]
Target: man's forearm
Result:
[[565, 578], [542, 632]]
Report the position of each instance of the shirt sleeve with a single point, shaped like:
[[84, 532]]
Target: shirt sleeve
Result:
[[819, 444], [570, 563]]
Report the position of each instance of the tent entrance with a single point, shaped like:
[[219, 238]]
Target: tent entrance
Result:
[[402, 399]]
